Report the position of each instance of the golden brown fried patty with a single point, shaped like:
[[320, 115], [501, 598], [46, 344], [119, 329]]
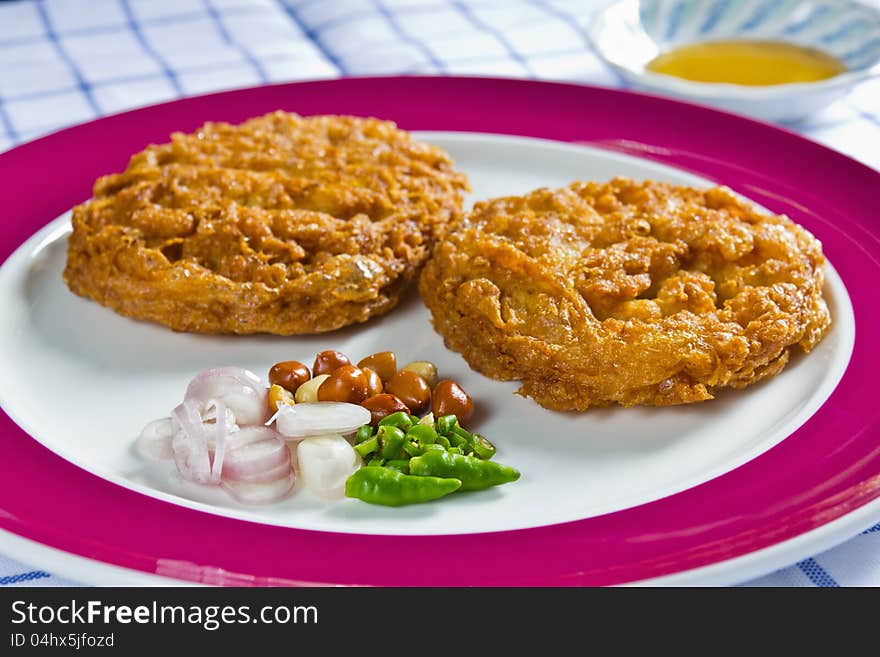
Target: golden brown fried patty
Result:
[[626, 292], [282, 224]]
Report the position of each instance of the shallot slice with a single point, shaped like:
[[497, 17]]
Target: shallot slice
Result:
[[262, 476], [239, 389], [262, 492], [247, 435], [319, 419], [222, 429], [252, 462], [325, 463], [190, 444], [154, 442]]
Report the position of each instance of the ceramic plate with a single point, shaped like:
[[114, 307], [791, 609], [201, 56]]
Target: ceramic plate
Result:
[[714, 492]]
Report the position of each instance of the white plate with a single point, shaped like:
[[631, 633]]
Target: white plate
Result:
[[83, 381]]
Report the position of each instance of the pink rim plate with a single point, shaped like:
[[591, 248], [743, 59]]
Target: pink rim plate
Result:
[[826, 469]]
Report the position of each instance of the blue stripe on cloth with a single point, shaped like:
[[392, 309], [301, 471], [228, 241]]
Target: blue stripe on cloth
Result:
[[408, 38], [8, 126], [816, 573], [135, 28], [228, 38], [23, 577], [83, 86], [353, 16], [871, 530], [342, 19], [123, 79], [482, 25], [495, 59], [107, 29], [564, 16], [303, 3], [313, 36]]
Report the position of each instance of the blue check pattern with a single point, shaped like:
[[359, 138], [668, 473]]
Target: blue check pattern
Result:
[[67, 61]]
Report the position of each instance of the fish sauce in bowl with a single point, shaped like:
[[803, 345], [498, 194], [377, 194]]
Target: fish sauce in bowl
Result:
[[747, 62]]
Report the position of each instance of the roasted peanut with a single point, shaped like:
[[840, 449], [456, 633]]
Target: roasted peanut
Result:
[[383, 363], [329, 360], [374, 382], [411, 389], [345, 384], [449, 398], [289, 374], [308, 391], [383, 405], [278, 396], [425, 369]]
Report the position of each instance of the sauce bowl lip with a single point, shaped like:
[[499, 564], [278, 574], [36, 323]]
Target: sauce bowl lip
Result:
[[598, 18]]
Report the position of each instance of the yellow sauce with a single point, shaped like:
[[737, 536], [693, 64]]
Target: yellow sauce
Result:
[[747, 62]]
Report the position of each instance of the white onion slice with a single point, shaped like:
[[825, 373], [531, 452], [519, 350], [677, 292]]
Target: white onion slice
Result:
[[260, 493], [320, 419], [154, 442], [325, 463], [239, 389]]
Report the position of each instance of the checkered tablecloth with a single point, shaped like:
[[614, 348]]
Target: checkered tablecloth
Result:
[[67, 61]]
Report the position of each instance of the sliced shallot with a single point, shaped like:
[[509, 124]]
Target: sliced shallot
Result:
[[222, 429], [247, 435], [239, 389], [257, 460], [262, 492], [190, 444], [278, 472], [217, 436], [154, 442], [319, 419]]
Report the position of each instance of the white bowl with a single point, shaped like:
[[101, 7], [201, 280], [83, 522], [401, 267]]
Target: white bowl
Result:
[[627, 34]]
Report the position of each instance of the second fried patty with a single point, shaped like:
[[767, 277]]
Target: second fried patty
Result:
[[282, 224], [626, 292]]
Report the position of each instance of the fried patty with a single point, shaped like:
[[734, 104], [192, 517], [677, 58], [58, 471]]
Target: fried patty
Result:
[[282, 224], [626, 292]]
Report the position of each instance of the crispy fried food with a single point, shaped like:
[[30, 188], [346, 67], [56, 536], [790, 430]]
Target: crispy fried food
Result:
[[282, 225], [626, 292]]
